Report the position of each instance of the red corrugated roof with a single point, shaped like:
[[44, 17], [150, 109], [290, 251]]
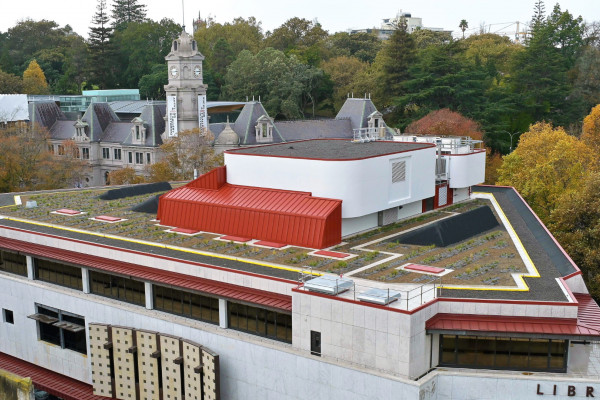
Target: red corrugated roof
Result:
[[43, 379], [210, 204], [216, 288], [586, 324]]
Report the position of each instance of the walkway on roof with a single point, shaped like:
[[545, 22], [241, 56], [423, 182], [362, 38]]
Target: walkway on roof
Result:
[[545, 254], [49, 381]]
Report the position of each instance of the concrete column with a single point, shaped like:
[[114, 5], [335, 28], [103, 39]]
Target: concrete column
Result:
[[85, 278], [223, 313], [29, 261], [149, 295]]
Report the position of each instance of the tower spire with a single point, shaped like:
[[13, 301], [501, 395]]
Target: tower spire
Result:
[[183, 14]]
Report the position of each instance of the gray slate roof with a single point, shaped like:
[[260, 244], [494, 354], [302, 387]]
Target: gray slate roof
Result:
[[357, 111], [245, 124], [45, 114], [98, 116], [315, 129]]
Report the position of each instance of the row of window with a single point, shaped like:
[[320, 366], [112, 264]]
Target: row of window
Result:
[[84, 154], [61, 328], [254, 320], [503, 353]]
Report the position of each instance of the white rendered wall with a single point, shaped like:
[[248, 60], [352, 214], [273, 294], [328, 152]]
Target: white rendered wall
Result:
[[251, 367], [358, 224], [466, 170], [364, 185], [410, 209], [460, 194]]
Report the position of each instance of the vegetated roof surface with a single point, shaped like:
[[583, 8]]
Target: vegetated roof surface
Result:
[[485, 259], [331, 149]]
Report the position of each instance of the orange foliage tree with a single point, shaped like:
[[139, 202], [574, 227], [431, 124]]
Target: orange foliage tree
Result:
[[591, 129], [446, 122]]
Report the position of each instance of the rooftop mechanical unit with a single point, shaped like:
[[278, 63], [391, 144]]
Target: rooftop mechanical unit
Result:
[[329, 285], [379, 296]]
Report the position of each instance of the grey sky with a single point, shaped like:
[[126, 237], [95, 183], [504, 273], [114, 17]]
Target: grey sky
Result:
[[334, 15]]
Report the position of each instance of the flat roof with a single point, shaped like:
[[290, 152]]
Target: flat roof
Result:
[[139, 233], [331, 149]]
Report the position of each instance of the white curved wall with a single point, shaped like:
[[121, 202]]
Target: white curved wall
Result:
[[466, 170], [365, 186]]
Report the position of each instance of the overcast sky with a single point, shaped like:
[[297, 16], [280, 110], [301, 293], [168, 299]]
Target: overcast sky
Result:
[[334, 15]]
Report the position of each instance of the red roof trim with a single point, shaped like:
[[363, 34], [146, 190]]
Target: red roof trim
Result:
[[587, 322], [49, 381], [233, 151], [104, 246], [212, 287]]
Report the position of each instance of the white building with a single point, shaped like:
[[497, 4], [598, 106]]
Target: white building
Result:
[[91, 308]]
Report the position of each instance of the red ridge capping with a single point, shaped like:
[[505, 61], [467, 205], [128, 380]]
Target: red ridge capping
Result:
[[334, 254], [425, 268], [52, 382], [216, 288], [107, 218], [68, 211], [270, 244], [235, 238]]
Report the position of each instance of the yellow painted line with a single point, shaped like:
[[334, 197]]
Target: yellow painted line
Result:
[[519, 276], [164, 246]]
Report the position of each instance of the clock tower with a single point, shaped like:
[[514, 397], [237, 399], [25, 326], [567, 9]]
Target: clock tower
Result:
[[186, 93]]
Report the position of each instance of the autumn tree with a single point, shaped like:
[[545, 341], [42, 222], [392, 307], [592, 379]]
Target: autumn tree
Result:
[[546, 165], [575, 222], [342, 71], [34, 80], [124, 176], [10, 84], [446, 122], [183, 154], [28, 164], [591, 129]]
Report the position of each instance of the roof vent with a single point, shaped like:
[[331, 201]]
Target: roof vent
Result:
[[329, 285], [379, 296]]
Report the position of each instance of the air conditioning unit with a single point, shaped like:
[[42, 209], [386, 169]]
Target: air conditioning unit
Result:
[[379, 296], [331, 285]]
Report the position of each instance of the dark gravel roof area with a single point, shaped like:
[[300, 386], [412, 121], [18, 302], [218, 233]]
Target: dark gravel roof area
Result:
[[331, 149]]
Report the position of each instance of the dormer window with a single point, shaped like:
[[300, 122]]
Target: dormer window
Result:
[[264, 129], [175, 45], [375, 124], [80, 135], [138, 131]]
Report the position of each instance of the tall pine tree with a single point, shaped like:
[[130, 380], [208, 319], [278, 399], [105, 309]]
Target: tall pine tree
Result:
[[398, 54], [100, 46], [126, 11]]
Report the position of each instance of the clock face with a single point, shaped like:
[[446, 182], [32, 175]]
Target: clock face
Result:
[[197, 71], [174, 71]]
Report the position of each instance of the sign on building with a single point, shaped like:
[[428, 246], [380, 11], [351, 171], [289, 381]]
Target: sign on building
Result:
[[172, 115], [202, 113]]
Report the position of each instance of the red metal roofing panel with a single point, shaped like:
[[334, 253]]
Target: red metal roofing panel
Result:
[[280, 216], [54, 383], [425, 268], [334, 254], [68, 211], [107, 218], [216, 288], [586, 324]]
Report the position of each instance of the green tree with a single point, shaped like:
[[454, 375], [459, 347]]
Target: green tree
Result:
[[398, 54], [299, 36], [140, 46], [127, 11], [34, 80], [343, 71], [10, 84], [425, 37], [464, 25], [152, 85], [100, 47], [363, 46]]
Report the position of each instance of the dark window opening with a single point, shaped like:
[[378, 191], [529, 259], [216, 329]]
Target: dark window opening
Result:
[[68, 332], [258, 321], [315, 343], [14, 263], [503, 353], [59, 274], [117, 287], [117, 154], [8, 316], [191, 305]]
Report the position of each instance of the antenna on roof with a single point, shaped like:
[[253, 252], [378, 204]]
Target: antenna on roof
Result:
[[347, 95], [246, 99], [183, 14], [259, 98], [352, 94], [252, 97]]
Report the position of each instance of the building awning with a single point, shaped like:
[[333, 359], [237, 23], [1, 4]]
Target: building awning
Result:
[[585, 327], [49, 381], [216, 288]]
